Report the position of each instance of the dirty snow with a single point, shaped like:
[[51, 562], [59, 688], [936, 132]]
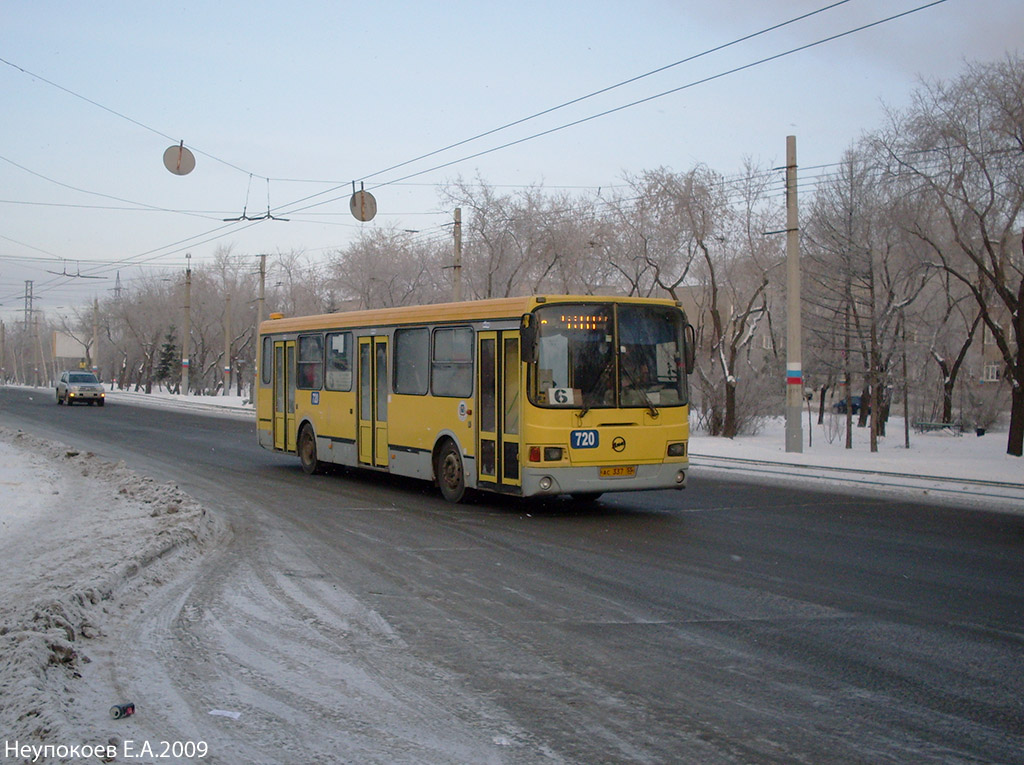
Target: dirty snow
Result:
[[81, 539], [84, 541]]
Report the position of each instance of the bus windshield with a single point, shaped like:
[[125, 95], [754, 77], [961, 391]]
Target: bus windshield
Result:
[[605, 355]]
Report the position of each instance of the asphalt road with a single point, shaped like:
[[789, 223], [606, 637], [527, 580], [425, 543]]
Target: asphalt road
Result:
[[731, 622]]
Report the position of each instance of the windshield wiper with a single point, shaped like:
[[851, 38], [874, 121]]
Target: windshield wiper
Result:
[[642, 391], [597, 383]]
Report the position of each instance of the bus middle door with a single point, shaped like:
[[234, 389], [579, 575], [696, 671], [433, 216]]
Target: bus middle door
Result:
[[372, 431]]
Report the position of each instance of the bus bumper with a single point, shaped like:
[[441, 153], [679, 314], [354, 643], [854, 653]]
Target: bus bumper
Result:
[[587, 479]]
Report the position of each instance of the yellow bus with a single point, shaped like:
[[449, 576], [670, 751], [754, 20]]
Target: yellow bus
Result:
[[541, 395]]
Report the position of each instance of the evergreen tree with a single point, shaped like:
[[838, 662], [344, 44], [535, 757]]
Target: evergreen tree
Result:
[[166, 362]]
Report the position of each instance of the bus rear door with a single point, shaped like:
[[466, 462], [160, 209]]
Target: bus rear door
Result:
[[284, 395], [498, 408]]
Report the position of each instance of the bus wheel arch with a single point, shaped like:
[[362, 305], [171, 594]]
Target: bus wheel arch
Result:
[[306, 448], [449, 470]]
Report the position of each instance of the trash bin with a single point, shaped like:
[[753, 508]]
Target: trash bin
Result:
[[979, 432]]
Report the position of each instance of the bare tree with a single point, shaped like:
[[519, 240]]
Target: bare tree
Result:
[[963, 142], [523, 242], [389, 267], [863, 274], [700, 239]]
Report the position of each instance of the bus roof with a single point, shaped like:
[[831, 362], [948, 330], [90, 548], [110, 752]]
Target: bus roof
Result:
[[437, 313]]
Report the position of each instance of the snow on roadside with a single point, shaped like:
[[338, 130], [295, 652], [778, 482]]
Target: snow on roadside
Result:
[[938, 453], [79, 536], [941, 467]]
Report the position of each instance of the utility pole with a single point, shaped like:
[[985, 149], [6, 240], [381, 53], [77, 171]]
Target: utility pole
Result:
[[794, 368], [187, 331], [95, 337], [40, 381], [263, 292], [258, 355], [457, 275], [227, 345]]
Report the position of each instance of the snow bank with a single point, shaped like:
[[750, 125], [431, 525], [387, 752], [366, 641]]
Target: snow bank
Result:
[[940, 453], [80, 537]]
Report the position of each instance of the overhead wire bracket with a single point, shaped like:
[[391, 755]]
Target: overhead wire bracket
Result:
[[245, 207], [78, 272]]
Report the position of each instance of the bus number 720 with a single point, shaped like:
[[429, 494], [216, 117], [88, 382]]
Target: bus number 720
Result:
[[584, 439]]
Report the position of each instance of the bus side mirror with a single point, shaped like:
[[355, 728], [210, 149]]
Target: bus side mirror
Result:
[[528, 338], [690, 348]]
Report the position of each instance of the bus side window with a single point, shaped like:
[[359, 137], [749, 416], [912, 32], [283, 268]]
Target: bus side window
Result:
[[412, 353], [452, 364], [266, 363], [339, 361], [310, 362]]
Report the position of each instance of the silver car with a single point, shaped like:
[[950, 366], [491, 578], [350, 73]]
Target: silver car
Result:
[[80, 386]]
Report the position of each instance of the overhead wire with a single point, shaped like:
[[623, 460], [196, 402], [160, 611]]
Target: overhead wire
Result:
[[289, 208], [138, 205], [607, 112], [116, 113], [607, 89]]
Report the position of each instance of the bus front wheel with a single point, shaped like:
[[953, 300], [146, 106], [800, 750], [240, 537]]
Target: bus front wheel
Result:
[[450, 476], [307, 452]]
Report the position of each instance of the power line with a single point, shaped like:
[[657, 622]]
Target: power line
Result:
[[607, 89], [289, 208], [138, 205], [116, 113], [616, 109], [456, 144]]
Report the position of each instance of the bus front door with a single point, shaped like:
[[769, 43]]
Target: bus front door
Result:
[[284, 395], [373, 401], [498, 407]]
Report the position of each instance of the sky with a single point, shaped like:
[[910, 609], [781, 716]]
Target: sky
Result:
[[288, 107]]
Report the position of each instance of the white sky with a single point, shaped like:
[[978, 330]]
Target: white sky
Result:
[[337, 92]]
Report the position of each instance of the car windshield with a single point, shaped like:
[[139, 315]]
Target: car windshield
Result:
[[603, 355], [82, 377]]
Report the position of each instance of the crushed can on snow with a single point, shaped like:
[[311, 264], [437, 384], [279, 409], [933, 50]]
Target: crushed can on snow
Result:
[[122, 710]]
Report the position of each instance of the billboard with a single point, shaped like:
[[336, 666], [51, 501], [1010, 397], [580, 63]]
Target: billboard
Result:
[[67, 346]]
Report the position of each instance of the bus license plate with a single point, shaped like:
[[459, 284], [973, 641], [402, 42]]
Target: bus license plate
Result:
[[622, 471]]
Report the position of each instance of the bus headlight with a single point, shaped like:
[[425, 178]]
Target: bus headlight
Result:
[[544, 483], [677, 450], [681, 477], [552, 453]]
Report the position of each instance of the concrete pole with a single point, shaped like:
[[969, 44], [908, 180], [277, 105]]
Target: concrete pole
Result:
[[794, 368], [44, 381], [95, 337], [457, 276], [186, 332], [227, 346], [263, 293], [258, 366]]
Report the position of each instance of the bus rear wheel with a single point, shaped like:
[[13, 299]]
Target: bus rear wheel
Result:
[[450, 477], [307, 452]]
